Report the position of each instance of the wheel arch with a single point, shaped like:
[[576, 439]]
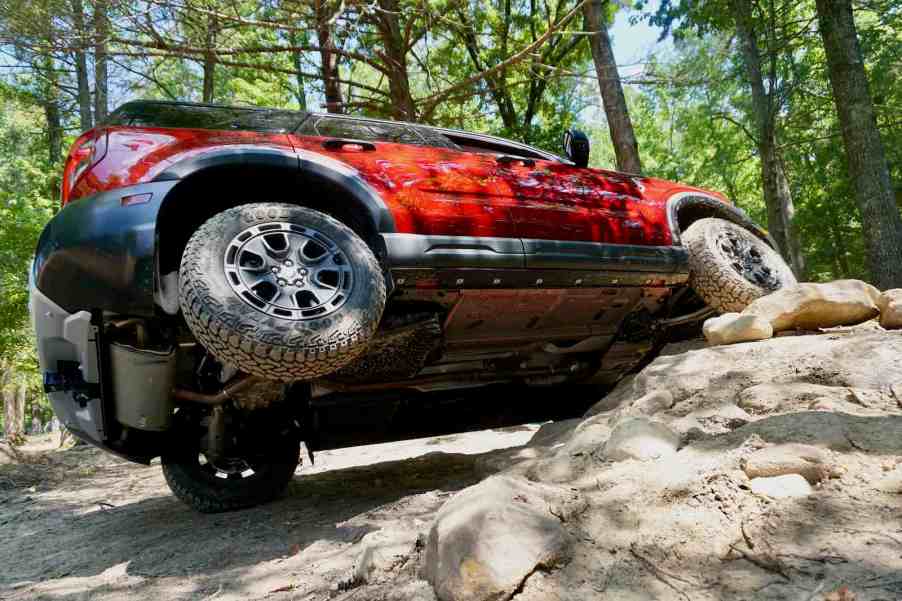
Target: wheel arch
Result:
[[686, 208], [215, 181]]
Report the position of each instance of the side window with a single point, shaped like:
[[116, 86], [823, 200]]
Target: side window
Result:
[[372, 131], [485, 146]]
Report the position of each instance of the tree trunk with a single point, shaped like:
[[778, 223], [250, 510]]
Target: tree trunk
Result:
[[51, 105], [81, 67], [300, 92], [54, 131], [626, 148], [101, 82], [209, 59], [777, 194], [328, 59], [497, 86], [21, 397], [868, 170], [5, 376], [840, 254], [13, 411], [393, 45]]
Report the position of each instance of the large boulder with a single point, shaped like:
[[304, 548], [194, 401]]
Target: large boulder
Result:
[[641, 439], [890, 304], [808, 461], [736, 327], [813, 306], [490, 537]]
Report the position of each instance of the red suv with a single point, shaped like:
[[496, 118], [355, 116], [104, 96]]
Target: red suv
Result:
[[217, 274]]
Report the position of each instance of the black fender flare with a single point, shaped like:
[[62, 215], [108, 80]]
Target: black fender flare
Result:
[[703, 205], [362, 199], [326, 169]]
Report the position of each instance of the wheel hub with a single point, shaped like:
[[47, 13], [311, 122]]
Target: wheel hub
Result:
[[226, 468], [748, 261], [288, 271]]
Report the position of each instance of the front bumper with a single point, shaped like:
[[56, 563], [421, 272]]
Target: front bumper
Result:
[[68, 356]]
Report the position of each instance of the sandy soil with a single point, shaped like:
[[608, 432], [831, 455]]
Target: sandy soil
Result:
[[80, 524]]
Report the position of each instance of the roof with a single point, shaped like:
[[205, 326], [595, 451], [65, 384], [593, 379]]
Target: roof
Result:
[[139, 112]]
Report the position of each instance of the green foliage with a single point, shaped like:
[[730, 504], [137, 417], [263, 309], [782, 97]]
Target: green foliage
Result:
[[26, 204]]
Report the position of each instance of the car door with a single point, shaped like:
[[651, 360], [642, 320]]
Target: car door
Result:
[[432, 187], [562, 202], [556, 201]]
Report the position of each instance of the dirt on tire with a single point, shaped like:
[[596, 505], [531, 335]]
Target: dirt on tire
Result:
[[713, 276], [263, 345]]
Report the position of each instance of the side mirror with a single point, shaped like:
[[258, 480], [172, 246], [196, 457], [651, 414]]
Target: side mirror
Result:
[[576, 147]]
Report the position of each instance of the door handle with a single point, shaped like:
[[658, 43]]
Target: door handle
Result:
[[506, 159], [340, 143]]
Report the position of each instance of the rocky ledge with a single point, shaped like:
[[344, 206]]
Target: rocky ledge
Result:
[[765, 470]]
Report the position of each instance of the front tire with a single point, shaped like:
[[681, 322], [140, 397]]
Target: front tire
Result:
[[280, 291], [730, 266]]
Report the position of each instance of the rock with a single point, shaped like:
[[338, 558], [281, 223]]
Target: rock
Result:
[[891, 483], [813, 306], [781, 487], [381, 553], [490, 537], [589, 436], [735, 327], [559, 468], [712, 420], [890, 305], [654, 402], [771, 396], [810, 462], [642, 439], [553, 433], [841, 405]]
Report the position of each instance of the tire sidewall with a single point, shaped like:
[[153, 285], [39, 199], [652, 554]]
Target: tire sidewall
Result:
[[206, 493], [203, 278], [712, 274]]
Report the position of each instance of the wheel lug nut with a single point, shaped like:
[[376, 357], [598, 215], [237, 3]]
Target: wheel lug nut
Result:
[[282, 282], [287, 263], [275, 270], [298, 283]]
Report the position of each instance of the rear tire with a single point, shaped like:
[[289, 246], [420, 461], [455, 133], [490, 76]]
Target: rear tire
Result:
[[730, 266], [234, 482], [280, 291]]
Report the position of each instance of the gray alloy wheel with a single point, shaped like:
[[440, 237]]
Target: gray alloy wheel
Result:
[[289, 271], [280, 291], [730, 266]]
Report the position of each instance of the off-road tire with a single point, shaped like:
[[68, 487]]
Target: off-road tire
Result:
[[264, 345], [713, 275], [197, 487]]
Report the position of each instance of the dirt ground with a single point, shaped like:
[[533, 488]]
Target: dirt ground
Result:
[[80, 524]]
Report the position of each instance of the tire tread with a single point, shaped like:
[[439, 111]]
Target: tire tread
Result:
[[252, 346]]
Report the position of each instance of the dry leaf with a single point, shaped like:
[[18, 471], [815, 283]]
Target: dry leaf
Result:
[[841, 594]]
